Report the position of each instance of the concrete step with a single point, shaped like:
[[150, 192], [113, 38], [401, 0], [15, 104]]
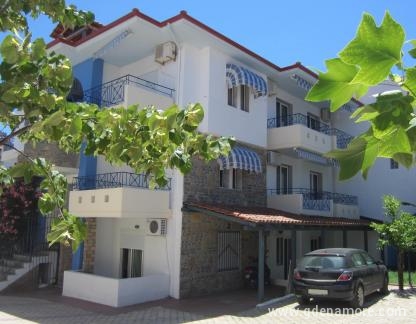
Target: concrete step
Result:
[[21, 258], [3, 276], [11, 263]]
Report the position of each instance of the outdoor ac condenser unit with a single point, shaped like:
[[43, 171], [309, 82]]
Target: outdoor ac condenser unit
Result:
[[157, 226], [165, 52]]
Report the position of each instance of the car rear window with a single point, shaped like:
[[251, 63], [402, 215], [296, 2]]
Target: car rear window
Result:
[[323, 261]]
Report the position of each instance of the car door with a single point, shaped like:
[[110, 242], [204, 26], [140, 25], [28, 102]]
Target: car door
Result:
[[376, 275], [361, 271]]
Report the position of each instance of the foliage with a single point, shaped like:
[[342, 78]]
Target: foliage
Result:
[[35, 84], [17, 201], [368, 60], [400, 232]]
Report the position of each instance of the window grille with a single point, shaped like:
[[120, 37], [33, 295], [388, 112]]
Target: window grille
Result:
[[229, 250]]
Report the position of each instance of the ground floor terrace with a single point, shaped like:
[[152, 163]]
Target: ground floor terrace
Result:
[[219, 242], [125, 264]]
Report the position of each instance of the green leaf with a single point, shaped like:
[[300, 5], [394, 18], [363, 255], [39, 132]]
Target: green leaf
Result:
[[55, 119], [38, 49], [76, 126], [410, 82], [365, 113], [335, 85], [396, 142], [375, 50], [359, 155], [412, 52], [9, 49]]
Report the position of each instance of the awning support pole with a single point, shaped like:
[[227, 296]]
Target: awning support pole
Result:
[[260, 267], [344, 238]]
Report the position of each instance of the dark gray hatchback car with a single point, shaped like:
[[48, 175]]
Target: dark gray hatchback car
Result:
[[339, 274]]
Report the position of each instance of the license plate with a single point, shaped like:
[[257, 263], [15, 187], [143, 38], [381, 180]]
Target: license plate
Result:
[[318, 292]]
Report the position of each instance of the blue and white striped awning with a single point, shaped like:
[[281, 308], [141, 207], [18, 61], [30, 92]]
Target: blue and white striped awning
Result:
[[315, 157], [241, 158], [238, 75]]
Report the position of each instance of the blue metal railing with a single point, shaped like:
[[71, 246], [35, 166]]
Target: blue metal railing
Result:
[[112, 92], [343, 139], [317, 200], [114, 180], [295, 119]]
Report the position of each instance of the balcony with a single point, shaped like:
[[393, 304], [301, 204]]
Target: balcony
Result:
[[118, 195], [300, 131], [303, 201], [128, 90]]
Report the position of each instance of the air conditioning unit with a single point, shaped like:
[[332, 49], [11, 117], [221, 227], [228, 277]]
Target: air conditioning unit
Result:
[[271, 88], [272, 158], [325, 114], [157, 226], [165, 52]]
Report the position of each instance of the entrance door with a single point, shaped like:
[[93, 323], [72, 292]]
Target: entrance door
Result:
[[284, 179], [315, 179], [287, 256], [282, 114]]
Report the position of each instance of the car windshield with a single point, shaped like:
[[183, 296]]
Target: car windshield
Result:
[[323, 261]]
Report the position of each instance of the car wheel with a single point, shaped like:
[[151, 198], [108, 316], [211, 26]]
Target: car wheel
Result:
[[385, 288], [302, 300], [358, 300]]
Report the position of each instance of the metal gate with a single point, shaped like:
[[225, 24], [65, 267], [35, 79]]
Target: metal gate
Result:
[[31, 250]]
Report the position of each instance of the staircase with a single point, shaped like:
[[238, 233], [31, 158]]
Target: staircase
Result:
[[27, 261], [43, 266]]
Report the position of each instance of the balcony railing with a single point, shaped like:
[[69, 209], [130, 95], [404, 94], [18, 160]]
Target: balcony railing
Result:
[[343, 139], [112, 92], [317, 200], [114, 180]]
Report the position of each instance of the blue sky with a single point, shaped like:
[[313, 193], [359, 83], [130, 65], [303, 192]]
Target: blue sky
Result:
[[283, 32]]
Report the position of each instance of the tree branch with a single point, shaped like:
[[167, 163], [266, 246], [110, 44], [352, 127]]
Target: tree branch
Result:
[[14, 133]]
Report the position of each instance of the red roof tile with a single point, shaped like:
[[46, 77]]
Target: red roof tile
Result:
[[263, 215]]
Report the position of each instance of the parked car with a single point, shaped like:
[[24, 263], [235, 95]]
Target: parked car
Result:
[[339, 274]]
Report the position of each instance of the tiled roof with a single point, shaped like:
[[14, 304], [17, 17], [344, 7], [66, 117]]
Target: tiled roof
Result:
[[262, 215]]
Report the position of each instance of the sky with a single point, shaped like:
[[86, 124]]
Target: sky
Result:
[[284, 32]]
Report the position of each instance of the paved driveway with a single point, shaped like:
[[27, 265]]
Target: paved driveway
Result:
[[394, 308]]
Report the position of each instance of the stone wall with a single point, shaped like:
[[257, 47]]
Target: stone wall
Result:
[[89, 245], [65, 263], [52, 153], [199, 255], [202, 185]]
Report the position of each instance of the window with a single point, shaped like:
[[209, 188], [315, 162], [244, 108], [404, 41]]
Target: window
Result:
[[315, 180], [313, 122], [368, 259], [131, 263], [239, 97], [229, 251], [230, 179], [244, 97], [315, 244], [236, 179], [232, 96], [394, 164], [221, 179], [284, 179], [279, 251], [357, 260]]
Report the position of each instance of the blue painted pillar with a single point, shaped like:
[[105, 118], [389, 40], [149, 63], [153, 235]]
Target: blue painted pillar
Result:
[[90, 74]]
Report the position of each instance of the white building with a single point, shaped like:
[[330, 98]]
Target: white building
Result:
[[196, 235]]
